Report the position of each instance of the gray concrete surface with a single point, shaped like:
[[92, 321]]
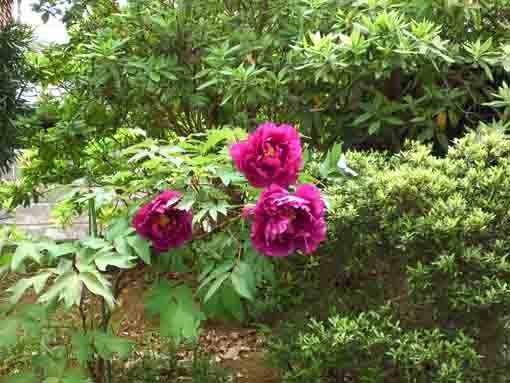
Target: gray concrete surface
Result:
[[37, 220]]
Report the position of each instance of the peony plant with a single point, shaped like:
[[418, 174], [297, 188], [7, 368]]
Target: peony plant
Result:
[[284, 223], [91, 275]]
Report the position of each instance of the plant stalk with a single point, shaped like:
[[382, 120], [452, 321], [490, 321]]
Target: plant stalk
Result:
[[105, 311]]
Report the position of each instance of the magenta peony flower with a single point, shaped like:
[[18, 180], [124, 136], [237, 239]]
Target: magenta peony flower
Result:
[[161, 222], [271, 155], [285, 223]]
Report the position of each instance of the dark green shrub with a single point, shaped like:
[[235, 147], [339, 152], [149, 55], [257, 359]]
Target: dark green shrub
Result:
[[371, 73], [423, 292], [14, 73]]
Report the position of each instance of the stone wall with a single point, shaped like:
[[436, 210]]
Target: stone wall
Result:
[[37, 220]]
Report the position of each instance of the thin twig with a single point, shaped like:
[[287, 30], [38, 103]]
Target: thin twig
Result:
[[82, 312], [219, 227], [116, 283]]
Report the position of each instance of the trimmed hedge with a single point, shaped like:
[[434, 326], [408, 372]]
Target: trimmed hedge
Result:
[[424, 289]]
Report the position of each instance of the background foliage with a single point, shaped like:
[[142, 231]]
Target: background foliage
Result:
[[370, 73], [15, 73]]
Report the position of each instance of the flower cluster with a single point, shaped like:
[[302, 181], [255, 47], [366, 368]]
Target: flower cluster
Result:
[[283, 222]]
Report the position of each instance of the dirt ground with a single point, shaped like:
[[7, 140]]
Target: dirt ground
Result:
[[235, 348]]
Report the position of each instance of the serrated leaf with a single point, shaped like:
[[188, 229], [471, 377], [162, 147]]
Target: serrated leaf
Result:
[[25, 250], [213, 213], [82, 347], [18, 290], [142, 247], [116, 260], [232, 302], [223, 268], [58, 250], [179, 314], [8, 332], [243, 280], [215, 286], [37, 282], [109, 344], [121, 244], [64, 265], [119, 227], [199, 216], [98, 286], [95, 243], [214, 137], [186, 202], [67, 287]]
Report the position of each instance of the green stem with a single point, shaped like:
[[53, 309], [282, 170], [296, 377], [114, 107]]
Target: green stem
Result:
[[105, 311], [92, 218]]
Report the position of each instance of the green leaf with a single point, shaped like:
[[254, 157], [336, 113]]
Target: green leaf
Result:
[[82, 347], [155, 76], [97, 285], [121, 244], [243, 280], [95, 243], [142, 247], [9, 332], [229, 176], [58, 250], [213, 213], [109, 344], [232, 302], [208, 84], [216, 285], [172, 261], [116, 260], [25, 250], [329, 165], [223, 268], [37, 282], [119, 227], [179, 314], [187, 202], [72, 292], [214, 137], [67, 287]]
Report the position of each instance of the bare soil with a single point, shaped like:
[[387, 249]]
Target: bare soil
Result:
[[236, 348]]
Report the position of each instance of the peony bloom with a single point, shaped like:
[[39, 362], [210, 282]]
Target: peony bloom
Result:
[[271, 155], [285, 223], [161, 222], [248, 211]]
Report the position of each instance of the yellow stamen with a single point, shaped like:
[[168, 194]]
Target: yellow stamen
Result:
[[164, 220], [270, 152]]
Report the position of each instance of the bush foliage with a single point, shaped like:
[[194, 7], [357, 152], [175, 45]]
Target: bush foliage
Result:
[[371, 73], [423, 284], [14, 74]]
